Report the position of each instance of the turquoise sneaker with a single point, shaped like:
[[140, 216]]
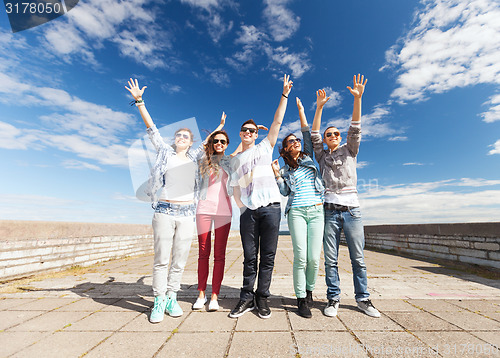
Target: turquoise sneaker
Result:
[[158, 311], [173, 308]]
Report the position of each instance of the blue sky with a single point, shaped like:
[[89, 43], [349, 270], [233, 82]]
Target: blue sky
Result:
[[431, 110]]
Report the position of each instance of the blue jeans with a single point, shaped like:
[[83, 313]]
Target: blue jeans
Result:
[[350, 221], [259, 230]]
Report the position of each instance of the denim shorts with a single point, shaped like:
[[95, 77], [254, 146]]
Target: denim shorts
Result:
[[175, 209]]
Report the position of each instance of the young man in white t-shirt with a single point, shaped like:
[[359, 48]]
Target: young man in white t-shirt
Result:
[[258, 198]]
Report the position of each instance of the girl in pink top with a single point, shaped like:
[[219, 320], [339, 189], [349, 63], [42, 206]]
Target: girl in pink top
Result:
[[214, 206]]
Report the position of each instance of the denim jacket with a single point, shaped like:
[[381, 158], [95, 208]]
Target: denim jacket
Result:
[[225, 164], [286, 183], [165, 151]]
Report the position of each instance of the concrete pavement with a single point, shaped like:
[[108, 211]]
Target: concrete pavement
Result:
[[427, 311]]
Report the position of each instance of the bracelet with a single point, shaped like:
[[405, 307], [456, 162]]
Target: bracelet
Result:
[[284, 96], [138, 104]]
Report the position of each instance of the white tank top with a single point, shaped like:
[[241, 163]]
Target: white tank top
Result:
[[179, 180]]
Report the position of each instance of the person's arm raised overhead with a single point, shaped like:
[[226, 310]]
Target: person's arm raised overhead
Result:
[[354, 134], [321, 100], [137, 93], [272, 136]]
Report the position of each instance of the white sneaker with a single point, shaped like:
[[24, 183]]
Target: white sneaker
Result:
[[200, 303], [367, 307], [331, 308], [213, 306]]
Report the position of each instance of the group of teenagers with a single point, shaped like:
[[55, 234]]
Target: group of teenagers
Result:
[[194, 185]]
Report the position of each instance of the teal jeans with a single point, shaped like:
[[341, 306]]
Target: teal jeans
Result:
[[306, 225]]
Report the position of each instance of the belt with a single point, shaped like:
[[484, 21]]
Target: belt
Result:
[[275, 203], [331, 206]]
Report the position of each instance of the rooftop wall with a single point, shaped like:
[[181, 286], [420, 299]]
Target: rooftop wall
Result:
[[472, 243]]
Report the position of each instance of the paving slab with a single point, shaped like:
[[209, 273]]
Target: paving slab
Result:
[[251, 322], [103, 321], [63, 345], [141, 324], [10, 303], [456, 344], [469, 321], [13, 342], [359, 321], [419, 321], [199, 344], [49, 322], [207, 322], [129, 344], [10, 319], [393, 344], [328, 344], [104, 312], [262, 344]]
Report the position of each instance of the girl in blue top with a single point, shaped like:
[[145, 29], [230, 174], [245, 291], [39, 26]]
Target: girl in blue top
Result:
[[300, 180]]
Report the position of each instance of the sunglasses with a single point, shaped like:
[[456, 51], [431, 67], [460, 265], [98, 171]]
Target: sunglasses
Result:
[[182, 135], [329, 134], [251, 130], [222, 141], [293, 140]]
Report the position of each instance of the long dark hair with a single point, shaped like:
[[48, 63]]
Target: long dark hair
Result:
[[210, 161], [287, 157]]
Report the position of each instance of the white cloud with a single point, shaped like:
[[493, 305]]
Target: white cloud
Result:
[[398, 139], [453, 43], [334, 101], [282, 24], [205, 4], [218, 76], [361, 165], [432, 202], [288, 128], [493, 113], [413, 164], [128, 24], [281, 21], [372, 124], [298, 63], [13, 138], [170, 88], [77, 164], [496, 148], [89, 130]]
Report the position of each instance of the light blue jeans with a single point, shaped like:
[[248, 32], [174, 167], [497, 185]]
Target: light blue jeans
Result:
[[306, 229], [350, 221]]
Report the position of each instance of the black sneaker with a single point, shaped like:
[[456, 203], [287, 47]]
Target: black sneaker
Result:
[[242, 307], [304, 310], [262, 307], [309, 298]]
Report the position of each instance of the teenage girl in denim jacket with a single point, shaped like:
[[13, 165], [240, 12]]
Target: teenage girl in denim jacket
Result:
[[176, 173], [301, 181]]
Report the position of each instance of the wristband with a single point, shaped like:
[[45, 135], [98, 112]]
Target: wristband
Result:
[[136, 102], [284, 96]]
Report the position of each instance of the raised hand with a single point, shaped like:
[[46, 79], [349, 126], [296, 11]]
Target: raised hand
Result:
[[287, 85], [299, 104], [263, 127], [276, 167], [223, 119], [135, 90], [359, 84], [321, 98]]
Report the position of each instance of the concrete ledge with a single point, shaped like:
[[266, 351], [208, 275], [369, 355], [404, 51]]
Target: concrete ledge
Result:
[[472, 243], [28, 247]]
